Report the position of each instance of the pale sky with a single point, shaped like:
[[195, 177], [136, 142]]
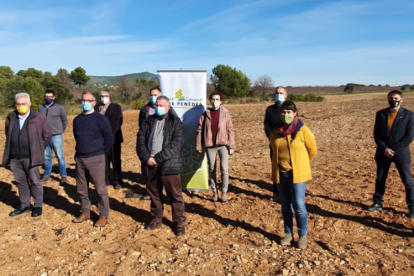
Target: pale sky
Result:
[[294, 42]]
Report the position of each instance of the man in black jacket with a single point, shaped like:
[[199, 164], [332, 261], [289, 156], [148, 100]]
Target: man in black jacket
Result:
[[113, 113], [272, 117], [146, 111], [393, 133], [159, 143]]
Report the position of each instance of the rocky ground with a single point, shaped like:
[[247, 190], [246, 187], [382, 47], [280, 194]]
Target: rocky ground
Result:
[[234, 238]]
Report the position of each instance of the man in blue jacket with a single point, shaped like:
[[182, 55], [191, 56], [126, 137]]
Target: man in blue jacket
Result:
[[159, 143], [393, 133]]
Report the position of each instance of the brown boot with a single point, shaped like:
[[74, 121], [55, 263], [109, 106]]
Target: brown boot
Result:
[[81, 218], [64, 180], [101, 222], [46, 179]]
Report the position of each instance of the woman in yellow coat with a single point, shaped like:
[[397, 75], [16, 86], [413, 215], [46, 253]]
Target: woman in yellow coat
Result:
[[293, 146]]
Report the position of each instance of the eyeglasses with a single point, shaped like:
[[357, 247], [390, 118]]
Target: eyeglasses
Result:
[[88, 101], [21, 104]]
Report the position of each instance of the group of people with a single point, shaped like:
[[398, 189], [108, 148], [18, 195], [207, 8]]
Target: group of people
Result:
[[31, 136]]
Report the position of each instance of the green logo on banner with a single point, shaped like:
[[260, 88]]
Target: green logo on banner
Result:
[[179, 95]]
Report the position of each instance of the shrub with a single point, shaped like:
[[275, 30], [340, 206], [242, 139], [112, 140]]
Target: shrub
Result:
[[137, 104], [305, 97]]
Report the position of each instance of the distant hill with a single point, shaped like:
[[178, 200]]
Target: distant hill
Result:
[[101, 80]]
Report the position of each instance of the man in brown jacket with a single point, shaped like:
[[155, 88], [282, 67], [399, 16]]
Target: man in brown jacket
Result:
[[27, 135]]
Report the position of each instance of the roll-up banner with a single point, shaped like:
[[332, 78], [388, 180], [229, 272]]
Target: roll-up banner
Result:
[[187, 93]]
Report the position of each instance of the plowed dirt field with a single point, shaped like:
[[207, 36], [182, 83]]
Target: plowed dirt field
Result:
[[234, 238]]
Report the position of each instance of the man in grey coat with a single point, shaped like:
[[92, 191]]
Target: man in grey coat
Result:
[[58, 121]]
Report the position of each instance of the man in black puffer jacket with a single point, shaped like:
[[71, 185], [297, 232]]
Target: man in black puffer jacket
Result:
[[159, 143]]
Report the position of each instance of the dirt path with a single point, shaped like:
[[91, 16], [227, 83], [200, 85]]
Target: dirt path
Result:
[[235, 238]]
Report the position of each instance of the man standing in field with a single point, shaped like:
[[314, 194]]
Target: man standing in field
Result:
[[27, 135], [272, 117], [159, 143], [113, 113], [93, 135], [393, 133], [58, 121], [146, 111]]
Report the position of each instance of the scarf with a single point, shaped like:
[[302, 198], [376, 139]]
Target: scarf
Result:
[[291, 129]]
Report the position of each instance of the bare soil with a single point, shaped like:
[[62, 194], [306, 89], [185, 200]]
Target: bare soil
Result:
[[234, 238]]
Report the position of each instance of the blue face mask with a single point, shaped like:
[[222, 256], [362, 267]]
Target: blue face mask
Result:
[[280, 98], [86, 106], [48, 101], [160, 111], [153, 99]]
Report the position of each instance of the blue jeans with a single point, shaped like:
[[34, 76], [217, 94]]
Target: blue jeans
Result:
[[293, 195], [56, 143]]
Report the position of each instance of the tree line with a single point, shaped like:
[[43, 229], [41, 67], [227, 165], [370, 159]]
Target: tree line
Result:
[[231, 82]]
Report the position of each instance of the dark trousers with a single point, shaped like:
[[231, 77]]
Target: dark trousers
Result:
[[172, 184], [23, 172], [404, 170], [144, 170], [114, 156], [95, 167], [275, 191]]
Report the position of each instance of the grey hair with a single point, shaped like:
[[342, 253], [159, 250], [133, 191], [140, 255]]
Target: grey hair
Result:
[[88, 92], [105, 90], [164, 98], [284, 88], [20, 95]]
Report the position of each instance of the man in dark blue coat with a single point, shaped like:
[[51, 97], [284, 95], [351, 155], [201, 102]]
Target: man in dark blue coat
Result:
[[159, 143], [393, 133]]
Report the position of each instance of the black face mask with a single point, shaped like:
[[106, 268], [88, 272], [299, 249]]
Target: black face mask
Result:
[[394, 103]]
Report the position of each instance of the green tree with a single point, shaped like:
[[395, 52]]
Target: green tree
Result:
[[62, 92], [33, 73], [10, 88], [230, 81], [79, 76], [35, 90], [349, 87], [6, 72]]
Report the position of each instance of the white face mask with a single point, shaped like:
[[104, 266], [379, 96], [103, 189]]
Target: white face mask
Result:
[[280, 98], [215, 103], [104, 100]]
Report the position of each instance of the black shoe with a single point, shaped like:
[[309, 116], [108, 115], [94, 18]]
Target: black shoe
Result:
[[20, 211], [375, 207], [37, 212], [411, 214]]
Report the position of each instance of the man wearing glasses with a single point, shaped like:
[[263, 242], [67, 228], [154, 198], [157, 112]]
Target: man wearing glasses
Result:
[[93, 135], [27, 135], [56, 116], [113, 113]]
